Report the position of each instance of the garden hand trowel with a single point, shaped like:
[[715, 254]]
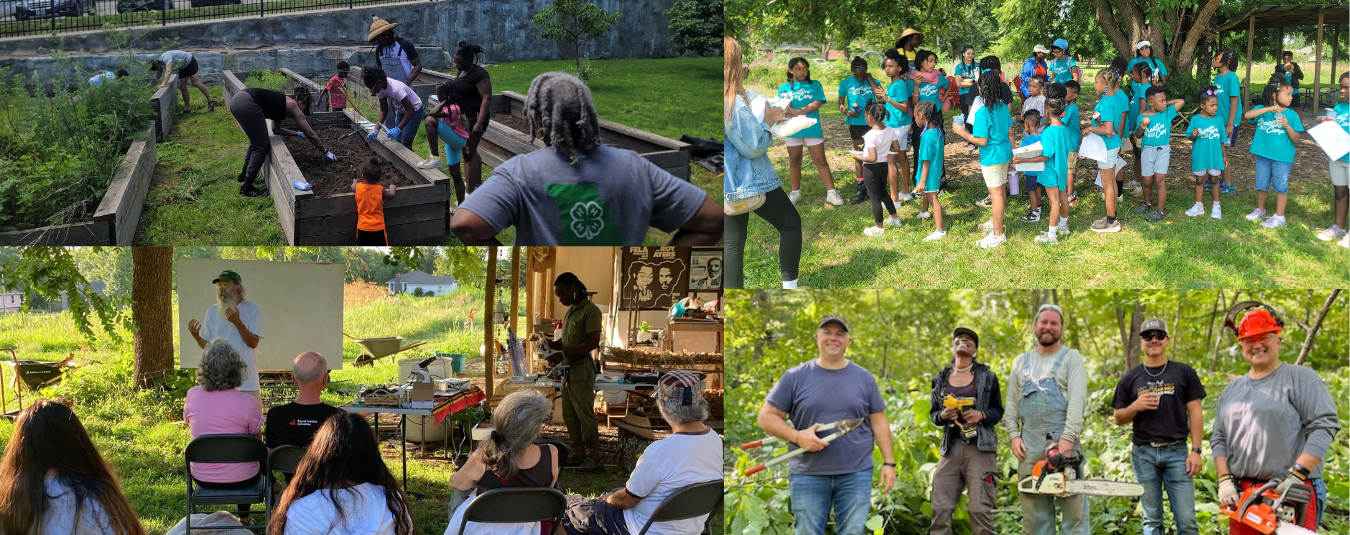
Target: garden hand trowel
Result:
[[841, 427]]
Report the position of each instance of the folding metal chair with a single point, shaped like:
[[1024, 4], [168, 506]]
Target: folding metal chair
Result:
[[229, 449]]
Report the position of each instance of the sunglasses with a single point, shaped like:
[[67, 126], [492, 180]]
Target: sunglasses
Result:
[[1153, 335]]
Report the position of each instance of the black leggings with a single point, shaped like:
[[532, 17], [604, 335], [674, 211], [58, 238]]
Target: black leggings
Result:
[[249, 114], [779, 212], [874, 176]]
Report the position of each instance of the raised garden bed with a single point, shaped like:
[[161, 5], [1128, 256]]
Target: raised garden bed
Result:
[[162, 102], [424, 86], [115, 220], [419, 213], [506, 138]]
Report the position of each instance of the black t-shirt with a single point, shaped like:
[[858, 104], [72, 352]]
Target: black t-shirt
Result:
[[468, 88], [273, 103], [1178, 385], [294, 424]]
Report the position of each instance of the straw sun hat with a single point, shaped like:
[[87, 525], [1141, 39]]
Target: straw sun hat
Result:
[[380, 26]]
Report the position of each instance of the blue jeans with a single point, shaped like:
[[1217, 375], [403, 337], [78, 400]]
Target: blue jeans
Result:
[[1268, 170], [408, 134], [1159, 468], [1320, 487], [813, 496]]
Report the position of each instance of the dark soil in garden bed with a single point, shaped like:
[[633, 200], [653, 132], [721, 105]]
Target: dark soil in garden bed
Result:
[[330, 178], [511, 121]]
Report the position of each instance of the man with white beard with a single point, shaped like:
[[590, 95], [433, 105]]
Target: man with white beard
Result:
[[236, 321]]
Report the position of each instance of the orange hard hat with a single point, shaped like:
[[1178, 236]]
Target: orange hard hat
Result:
[[1258, 323]]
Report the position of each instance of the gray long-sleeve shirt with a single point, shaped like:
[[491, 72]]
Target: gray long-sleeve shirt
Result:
[[1263, 425], [1072, 379]]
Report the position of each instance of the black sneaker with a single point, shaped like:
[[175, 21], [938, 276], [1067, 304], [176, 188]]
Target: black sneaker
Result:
[[240, 178], [1032, 216], [1143, 208], [1155, 216], [249, 191], [859, 197], [1101, 225]]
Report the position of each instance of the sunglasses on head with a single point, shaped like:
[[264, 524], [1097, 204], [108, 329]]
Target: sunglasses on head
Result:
[[1150, 336]]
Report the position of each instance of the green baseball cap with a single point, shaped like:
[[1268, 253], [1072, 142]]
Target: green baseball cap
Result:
[[227, 275]]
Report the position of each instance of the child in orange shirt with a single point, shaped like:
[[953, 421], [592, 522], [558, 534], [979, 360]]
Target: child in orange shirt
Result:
[[370, 197]]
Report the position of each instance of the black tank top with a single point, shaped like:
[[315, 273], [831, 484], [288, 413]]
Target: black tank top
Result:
[[273, 102], [539, 475]]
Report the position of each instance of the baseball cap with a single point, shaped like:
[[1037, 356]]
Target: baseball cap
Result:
[[227, 275], [1142, 44], [1041, 49], [832, 319], [962, 330], [1154, 325]]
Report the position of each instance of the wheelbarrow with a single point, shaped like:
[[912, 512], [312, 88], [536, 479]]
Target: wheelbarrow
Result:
[[33, 374], [380, 347]]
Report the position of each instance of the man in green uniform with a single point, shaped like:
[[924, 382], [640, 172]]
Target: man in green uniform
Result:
[[580, 336]]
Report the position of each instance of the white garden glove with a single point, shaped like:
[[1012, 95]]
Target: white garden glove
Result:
[[1228, 491]]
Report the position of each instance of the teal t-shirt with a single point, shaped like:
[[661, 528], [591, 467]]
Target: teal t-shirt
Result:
[[993, 125], [930, 92], [1073, 121], [1108, 108], [1056, 144], [899, 91], [1062, 69], [1140, 89], [966, 71], [1027, 141], [857, 92], [1123, 106], [803, 94], [1207, 151], [1159, 132], [930, 149], [1343, 118], [1271, 140], [1229, 87], [1159, 68]]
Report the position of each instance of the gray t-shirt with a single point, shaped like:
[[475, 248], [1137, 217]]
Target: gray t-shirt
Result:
[[1262, 425], [610, 198], [175, 59], [61, 519], [810, 394]]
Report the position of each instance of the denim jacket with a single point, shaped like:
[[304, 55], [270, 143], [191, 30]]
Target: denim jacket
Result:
[[748, 169], [988, 399]]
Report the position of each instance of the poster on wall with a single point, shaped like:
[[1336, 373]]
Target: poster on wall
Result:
[[654, 277], [705, 269]]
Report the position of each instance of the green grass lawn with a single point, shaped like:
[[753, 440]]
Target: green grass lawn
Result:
[[194, 197]]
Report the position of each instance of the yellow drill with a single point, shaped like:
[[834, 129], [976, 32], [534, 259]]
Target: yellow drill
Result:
[[961, 404]]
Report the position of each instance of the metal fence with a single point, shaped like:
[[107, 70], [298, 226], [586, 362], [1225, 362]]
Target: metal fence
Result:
[[48, 17]]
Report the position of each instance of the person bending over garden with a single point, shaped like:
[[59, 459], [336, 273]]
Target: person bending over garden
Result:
[[581, 192], [391, 93], [509, 459], [968, 458], [186, 65], [53, 481], [252, 108]]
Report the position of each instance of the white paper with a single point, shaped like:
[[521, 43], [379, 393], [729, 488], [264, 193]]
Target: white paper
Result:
[[1030, 151], [1093, 147], [792, 126], [1333, 139]]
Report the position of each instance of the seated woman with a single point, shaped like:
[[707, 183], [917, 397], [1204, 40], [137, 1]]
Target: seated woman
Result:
[[509, 459], [47, 490], [581, 192], [342, 487], [216, 406]]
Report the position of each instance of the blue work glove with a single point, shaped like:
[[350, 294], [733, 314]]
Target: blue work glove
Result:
[[394, 132], [301, 134], [331, 157], [373, 134]]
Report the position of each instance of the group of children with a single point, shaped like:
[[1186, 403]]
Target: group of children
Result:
[[884, 122]]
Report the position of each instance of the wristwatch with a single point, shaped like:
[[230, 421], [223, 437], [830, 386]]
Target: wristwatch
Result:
[[892, 465], [1195, 449]]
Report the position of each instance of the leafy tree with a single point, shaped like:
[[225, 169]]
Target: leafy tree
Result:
[[574, 22], [697, 25]]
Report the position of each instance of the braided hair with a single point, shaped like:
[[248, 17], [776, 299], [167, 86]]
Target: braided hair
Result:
[[858, 61], [992, 89], [469, 50], [1273, 87], [1054, 107], [1228, 58], [562, 105], [569, 279], [1110, 76], [931, 114], [371, 76], [304, 97]]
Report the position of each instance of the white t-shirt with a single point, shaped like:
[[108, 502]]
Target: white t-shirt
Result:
[[666, 466], [214, 326], [881, 139], [395, 91], [60, 520], [364, 512]]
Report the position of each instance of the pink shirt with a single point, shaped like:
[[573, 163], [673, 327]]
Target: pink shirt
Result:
[[395, 90], [337, 91], [224, 412]]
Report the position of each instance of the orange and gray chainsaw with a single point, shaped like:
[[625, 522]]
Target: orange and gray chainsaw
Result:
[[1057, 475], [841, 428], [1264, 509]]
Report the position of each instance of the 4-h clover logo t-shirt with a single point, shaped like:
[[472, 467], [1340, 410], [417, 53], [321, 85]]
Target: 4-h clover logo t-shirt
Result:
[[610, 197]]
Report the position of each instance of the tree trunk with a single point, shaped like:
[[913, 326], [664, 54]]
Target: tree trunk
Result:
[[1128, 334], [1317, 326], [1214, 359], [1213, 309], [1185, 55], [152, 312]]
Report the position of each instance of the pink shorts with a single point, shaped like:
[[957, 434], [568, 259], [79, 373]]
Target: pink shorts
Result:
[[1211, 172]]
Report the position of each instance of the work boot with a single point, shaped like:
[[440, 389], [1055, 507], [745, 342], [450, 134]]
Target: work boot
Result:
[[861, 196]]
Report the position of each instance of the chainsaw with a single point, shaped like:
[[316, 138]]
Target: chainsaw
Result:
[[968, 431], [1057, 475], [841, 427], [1270, 512]]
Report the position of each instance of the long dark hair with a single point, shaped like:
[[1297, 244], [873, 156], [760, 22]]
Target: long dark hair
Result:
[[371, 76], [922, 56], [567, 278], [792, 63], [448, 92], [961, 58], [48, 437], [992, 89], [561, 105], [344, 453], [1273, 87]]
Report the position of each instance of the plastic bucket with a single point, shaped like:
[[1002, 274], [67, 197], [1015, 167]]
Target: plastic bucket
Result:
[[457, 362]]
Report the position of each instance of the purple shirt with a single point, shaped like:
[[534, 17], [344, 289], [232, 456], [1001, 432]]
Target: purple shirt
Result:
[[810, 394]]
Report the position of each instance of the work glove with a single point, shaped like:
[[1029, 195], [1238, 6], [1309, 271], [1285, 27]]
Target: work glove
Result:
[[331, 157], [373, 134], [1297, 475], [301, 134], [394, 132], [1228, 491]]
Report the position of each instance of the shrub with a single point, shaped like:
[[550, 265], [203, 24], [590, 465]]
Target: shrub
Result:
[[697, 26]]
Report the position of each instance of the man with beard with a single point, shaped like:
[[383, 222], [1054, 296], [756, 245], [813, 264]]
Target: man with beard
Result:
[[834, 474], [665, 281], [236, 321], [1162, 400], [579, 337], [1047, 395]]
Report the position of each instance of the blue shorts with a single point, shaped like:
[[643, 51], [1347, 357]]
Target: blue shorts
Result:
[[454, 144], [1270, 171]]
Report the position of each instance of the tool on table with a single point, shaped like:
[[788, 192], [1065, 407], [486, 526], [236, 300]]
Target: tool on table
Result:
[[841, 427], [961, 404], [1057, 475], [1268, 511]]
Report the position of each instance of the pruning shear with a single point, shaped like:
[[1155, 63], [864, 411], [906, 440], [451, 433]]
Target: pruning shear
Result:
[[841, 427]]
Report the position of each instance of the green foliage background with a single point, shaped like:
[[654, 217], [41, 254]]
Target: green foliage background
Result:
[[903, 337]]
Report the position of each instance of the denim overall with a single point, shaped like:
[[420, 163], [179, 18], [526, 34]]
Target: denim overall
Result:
[[392, 61], [1042, 410]]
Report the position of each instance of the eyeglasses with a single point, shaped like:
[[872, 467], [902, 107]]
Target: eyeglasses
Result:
[[1150, 336]]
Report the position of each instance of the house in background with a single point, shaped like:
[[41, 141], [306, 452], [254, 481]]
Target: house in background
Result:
[[99, 287], [11, 301], [429, 284]]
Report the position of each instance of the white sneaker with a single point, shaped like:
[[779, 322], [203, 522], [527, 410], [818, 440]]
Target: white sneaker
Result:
[[1062, 230], [925, 215], [1331, 233], [1345, 242], [936, 235], [1120, 198], [991, 241], [834, 198], [906, 197], [987, 225], [1049, 238], [1256, 215], [1196, 210], [873, 231], [892, 221], [1275, 221], [1216, 212], [429, 163], [795, 196]]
